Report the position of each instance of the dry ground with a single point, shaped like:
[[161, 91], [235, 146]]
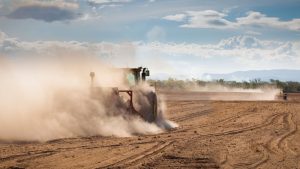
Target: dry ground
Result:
[[212, 134]]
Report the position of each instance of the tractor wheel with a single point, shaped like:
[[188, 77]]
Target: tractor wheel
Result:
[[146, 104]]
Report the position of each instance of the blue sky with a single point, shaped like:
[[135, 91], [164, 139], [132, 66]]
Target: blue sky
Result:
[[181, 38]]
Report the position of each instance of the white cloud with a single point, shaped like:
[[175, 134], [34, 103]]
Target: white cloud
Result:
[[217, 20], [110, 6], [13, 4], [2, 36], [207, 19], [241, 42], [100, 2], [258, 19], [229, 9], [252, 33], [117, 53], [245, 51], [235, 53], [242, 47], [49, 11], [176, 17], [157, 33]]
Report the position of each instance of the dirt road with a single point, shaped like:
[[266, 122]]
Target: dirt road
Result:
[[211, 134]]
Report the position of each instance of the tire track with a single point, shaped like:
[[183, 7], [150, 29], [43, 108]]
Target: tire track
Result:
[[276, 145], [265, 123], [187, 106], [196, 114], [186, 109], [224, 120], [224, 158], [192, 115], [174, 161], [251, 165], [293, 129], [27, 156], [248, 112], [129, 161], [37, 154], [264, 158]]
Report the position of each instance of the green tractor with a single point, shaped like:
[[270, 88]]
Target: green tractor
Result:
[[135, 100]]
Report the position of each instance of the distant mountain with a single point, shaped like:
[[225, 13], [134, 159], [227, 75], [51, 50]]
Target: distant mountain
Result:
[[265, 75]]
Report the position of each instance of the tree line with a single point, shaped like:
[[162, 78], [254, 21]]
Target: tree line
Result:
[[175, 84]]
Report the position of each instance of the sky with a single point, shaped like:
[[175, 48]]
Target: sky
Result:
[[173, 38]]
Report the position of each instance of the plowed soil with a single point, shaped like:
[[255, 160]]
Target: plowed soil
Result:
[[211, 134]]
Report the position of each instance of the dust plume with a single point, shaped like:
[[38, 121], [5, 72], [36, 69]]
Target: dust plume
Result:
[[44, 98], [179, 90], [235, 93]]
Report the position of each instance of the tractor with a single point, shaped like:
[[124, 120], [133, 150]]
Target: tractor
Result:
[[134, 100]]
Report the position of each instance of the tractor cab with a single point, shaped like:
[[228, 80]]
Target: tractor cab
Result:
[[133, 76]]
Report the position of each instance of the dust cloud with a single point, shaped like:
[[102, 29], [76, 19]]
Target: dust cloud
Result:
[[44, 98], [210, 91], [234, 93]]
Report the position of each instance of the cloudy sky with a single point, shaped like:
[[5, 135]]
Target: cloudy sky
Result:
[[179, 38]]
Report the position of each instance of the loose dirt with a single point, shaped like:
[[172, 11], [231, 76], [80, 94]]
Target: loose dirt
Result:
[[211, 134]]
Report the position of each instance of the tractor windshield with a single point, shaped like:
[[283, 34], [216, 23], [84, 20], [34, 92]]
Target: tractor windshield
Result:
[[130, 79]]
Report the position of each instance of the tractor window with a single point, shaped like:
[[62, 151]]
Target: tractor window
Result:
[[131, 79]]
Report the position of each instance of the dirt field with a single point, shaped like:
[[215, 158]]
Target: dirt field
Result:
[[211, 134]]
